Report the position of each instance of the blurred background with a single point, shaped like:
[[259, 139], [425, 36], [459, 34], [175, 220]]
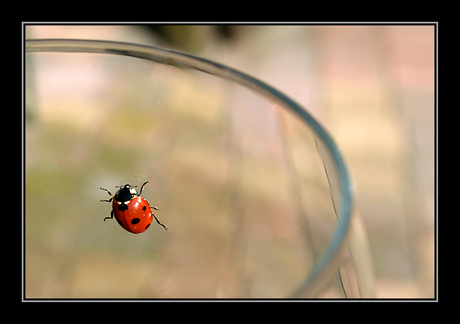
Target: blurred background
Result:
[[371, 87]]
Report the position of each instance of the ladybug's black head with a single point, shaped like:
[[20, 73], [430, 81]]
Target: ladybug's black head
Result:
[[125, 193]]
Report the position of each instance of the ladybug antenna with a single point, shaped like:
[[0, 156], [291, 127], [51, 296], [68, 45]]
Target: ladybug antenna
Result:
[[142, 188]]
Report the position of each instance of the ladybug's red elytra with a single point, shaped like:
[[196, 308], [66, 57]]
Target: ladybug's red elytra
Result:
[[131, 211]]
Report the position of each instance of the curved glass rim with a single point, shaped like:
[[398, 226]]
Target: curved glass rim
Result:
[[330, 258]]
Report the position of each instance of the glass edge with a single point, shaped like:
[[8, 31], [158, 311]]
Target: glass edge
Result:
[[329, 259]]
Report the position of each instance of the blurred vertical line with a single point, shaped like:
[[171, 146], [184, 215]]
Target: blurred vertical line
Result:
[[347, 284], [294, 186], [235, 209], [356, 272]]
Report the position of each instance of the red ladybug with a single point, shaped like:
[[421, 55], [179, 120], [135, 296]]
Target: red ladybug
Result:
[[131, 211]]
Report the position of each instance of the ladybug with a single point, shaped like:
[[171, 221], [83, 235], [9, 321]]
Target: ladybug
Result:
[[131, 211]]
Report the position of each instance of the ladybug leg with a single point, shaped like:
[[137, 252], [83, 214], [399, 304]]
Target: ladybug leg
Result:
[[111, 216], [153, 207], [158, 221], [107, 200], [142, 187]]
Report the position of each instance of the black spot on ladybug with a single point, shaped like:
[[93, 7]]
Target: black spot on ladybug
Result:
[[135, 221], [122, 207], [148, 226], [144, 208]]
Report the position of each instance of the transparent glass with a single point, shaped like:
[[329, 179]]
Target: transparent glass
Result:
[[255, 193]]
